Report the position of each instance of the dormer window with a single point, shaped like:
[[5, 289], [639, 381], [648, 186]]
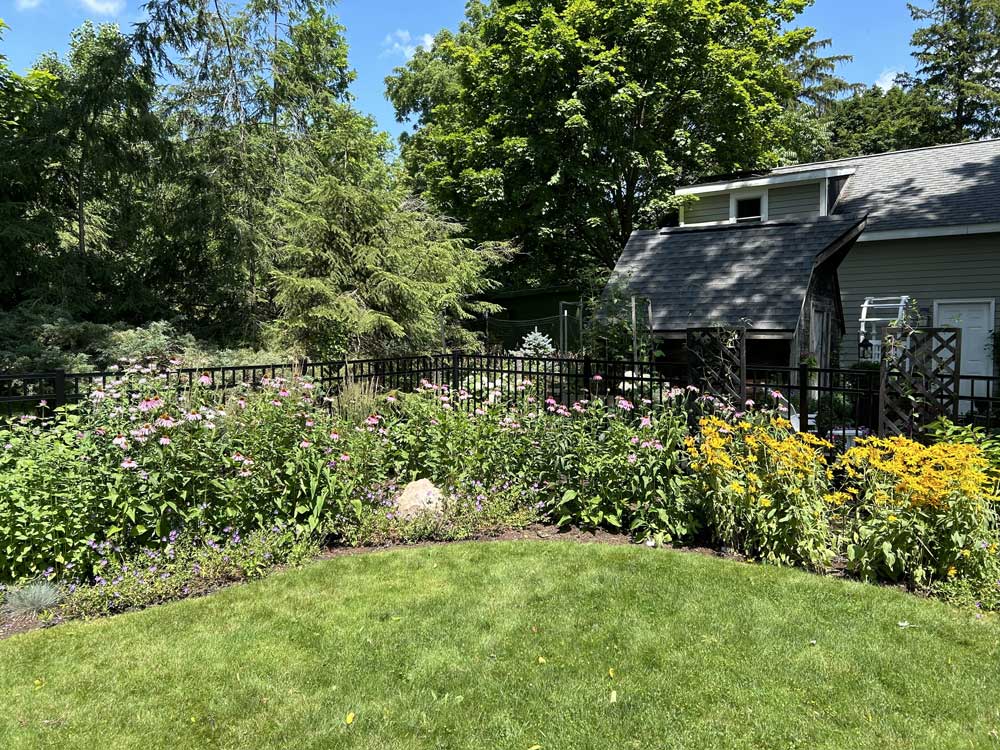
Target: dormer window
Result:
[[749, 209]]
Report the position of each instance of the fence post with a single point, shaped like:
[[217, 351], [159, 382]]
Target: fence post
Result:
[[456, 364], [59, 398], [803, 397]]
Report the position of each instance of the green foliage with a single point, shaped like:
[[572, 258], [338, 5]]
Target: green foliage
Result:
[[183, 567], [956, 53], [567, 125], [875, 121], [32, 600]]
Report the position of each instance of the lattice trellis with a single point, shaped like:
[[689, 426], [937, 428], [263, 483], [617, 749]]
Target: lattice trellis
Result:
[[717, 361], [920, 379]]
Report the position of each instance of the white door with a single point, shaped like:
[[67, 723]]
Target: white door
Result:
[[975, 318]]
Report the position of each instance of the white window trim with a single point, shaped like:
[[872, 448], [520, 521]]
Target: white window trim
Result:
[[740, 195]]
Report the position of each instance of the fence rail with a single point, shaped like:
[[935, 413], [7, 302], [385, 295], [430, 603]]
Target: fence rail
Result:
[[839, 404]]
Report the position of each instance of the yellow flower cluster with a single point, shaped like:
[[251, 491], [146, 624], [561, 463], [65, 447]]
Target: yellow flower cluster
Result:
[[900, 472], [754, 448]]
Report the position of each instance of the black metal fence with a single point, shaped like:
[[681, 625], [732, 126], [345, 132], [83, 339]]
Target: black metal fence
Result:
[[838, 404]]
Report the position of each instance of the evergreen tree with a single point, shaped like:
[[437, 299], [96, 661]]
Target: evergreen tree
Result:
[[958, 56]]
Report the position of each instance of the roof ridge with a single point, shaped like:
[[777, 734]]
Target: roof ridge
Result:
[[796, 167]]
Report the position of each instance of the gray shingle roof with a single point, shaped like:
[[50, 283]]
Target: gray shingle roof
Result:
[[697, 277], [921, 188]]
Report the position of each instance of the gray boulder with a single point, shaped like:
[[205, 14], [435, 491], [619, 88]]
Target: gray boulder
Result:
[[419, 497]]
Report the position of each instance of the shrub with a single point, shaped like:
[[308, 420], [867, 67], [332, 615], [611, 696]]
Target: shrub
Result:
[[760, 488], [919, 514]]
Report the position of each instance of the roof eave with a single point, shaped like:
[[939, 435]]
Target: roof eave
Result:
[[710, 188]]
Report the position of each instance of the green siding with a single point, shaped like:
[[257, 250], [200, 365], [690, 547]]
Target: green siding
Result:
[[707, 208], [928, 269], [794, 201]]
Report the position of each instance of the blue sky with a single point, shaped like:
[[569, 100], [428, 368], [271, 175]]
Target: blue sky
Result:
[[381, 34]]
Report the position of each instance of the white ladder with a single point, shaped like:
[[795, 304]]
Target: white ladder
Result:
[[878, 312]]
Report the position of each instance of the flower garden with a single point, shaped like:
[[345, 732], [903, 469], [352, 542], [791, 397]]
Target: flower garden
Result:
[[147, 493]]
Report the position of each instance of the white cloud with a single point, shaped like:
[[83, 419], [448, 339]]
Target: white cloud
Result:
[[28, 4], [105, 7], [887, 78], [402, 42]]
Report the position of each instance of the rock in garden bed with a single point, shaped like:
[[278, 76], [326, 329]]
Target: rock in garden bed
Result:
[[419, 497]]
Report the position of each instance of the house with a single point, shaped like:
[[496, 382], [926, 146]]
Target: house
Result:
[[924, 223]]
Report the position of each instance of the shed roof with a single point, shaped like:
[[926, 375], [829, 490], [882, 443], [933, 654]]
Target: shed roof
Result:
[[754, 273]]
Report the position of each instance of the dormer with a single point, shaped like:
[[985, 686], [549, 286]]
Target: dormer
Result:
[[790, 195]]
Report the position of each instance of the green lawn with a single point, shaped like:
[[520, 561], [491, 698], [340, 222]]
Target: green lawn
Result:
[[439, 648]]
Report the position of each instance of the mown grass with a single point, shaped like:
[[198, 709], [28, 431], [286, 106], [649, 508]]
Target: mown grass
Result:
[[440, 648]]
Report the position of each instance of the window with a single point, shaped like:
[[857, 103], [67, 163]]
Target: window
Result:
[[749, 209]]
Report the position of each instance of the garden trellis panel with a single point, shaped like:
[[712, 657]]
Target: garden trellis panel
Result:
[[920, 379], [717, 361]]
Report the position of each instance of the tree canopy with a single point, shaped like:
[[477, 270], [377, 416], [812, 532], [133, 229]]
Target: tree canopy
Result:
[[566, 125], [208, 169]]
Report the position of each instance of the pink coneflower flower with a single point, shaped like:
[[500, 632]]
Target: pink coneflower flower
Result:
[[344, 457], [390, 399], [373, 420], [165, 420], [148, 404], [334, 436], [632, 458], [310, 423], [121, 441], [625, 405], [209, 425], [242, 403], [165, 440], [128, 463], [283, 393], [308, 386], [193, 416], [304, 444], [645, 423], [205, 379], [598, 378], [275, 402]]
